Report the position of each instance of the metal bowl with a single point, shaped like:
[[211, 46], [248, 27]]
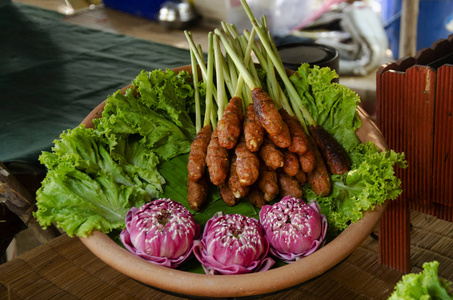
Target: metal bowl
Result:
[[177, 15]]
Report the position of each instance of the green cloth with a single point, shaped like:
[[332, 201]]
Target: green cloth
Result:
[[52, 74]]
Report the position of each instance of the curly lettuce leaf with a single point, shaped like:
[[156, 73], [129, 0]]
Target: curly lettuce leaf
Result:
[[96, 175], [124, 115], [370, 182], [167, 93], [80, 203], [424, 285], [332, 106]]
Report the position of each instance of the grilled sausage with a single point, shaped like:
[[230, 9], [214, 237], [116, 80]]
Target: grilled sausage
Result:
[[256, 197], [268, 183], [291, 163], [217, 160], [301, 177], [227, 195], [234, 183], [197, 192], [307, 160], [253, 131], [298, 135], [197, 157], [230, 125], [319, 178], [271, 155], [247, 164], [288, 186], [334, 155], [267, 113], [283, 139]]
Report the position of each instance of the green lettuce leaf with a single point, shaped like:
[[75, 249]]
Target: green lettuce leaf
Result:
[[169, 94], [96, 175], [332, 106], [80, 203], [124, 115], [424, 285]]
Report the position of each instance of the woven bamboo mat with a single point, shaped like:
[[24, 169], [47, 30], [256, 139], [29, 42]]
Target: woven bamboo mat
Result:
[[65, 269]]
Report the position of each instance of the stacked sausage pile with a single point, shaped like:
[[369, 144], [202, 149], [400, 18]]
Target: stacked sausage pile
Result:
[[260, 155]]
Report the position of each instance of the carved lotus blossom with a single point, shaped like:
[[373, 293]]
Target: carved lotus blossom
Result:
[[294, 229], [233, 244], [161, 231]]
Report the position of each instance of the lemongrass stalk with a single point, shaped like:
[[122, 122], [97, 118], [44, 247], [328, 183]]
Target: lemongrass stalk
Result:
[[277, 89], [233, 73], [209, 113], [247, 60], [272, 83], [199, 57], [280, 94], [197, 54], [200, 51], [196, 91], [248, 78], [259, 55], [239, 91], [219, 70], [246, 49], [229, 81], [227, 31], [232, 32], [234, 44], [293, 95]]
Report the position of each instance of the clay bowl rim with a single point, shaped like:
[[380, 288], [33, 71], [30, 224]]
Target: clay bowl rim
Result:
[[253, 284]]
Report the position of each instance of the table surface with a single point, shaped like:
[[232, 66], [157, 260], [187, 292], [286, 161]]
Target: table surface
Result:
[[65, 269]]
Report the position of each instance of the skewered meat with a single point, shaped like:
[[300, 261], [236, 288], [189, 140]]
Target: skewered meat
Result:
[[197, 192], [291, 163], [235, 185], [266, 111], [271, 155], [283, 139], [298, 135], [247, 164], [268, 183], [288, 186], [227, 195], [230, 125], [256, 197], [217, 160], [253, 131], [335, 156], [301, 177], [196, 166], [307, 160], [319, 178]]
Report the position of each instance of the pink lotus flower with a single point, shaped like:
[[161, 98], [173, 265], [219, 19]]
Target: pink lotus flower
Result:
[[161, 231], [294, 229], [233, 244]]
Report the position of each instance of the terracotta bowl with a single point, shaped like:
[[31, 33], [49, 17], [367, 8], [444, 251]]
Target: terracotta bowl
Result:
[[182, 282]]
